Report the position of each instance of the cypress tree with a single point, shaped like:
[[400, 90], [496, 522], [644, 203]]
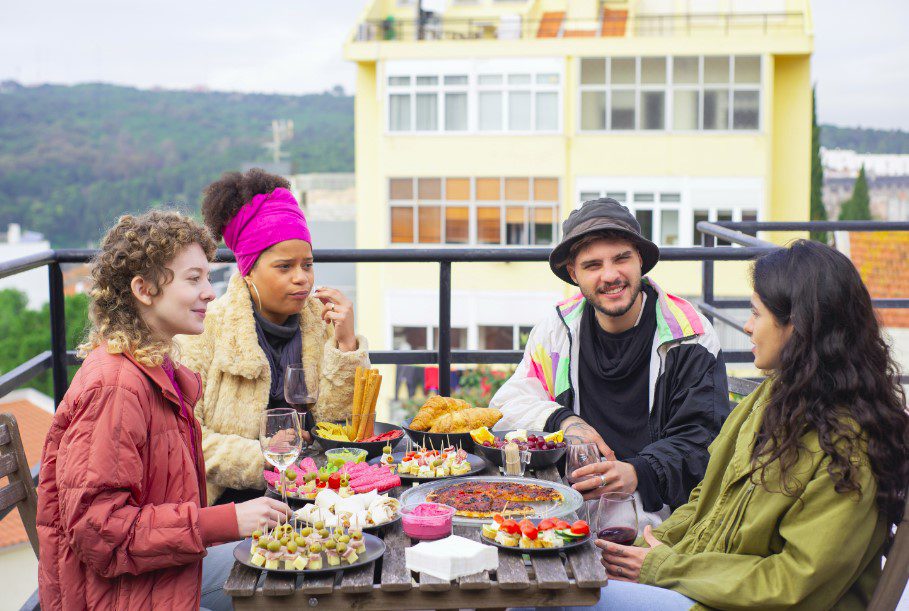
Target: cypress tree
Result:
[[858, 207]]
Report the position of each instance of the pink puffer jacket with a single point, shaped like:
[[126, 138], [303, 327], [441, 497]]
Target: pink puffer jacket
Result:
[[122, 516]]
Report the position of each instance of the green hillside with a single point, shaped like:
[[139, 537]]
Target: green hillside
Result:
[[73, 158], [862, 140]]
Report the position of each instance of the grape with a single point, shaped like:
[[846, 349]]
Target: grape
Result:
[[486, 444]]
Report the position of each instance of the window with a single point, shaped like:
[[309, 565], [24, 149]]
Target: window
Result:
[[714, 215], [494, 337], [458, 338], [678, 93], [513, 211], [519, 101], [669, 214], [415, 337]]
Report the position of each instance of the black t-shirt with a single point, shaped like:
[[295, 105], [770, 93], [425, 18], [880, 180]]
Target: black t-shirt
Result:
[[614, 379]]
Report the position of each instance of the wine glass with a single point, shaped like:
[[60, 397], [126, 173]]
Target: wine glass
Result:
[[301, 389], [617, 518], [279, 435], [580, 454]]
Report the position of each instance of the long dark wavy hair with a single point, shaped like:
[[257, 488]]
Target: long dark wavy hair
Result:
[[835, 372]]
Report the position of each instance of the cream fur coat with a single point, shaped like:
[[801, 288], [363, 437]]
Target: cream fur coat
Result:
[[236, 380]]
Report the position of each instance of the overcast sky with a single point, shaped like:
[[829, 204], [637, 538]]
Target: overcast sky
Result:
[[860, 62]]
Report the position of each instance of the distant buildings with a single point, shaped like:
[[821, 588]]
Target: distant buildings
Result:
[[888, 182], [15, 244]]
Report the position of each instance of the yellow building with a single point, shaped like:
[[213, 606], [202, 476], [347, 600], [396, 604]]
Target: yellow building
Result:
[[486, 122]]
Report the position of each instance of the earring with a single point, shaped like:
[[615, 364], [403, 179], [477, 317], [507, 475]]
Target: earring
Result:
[[250, 283]]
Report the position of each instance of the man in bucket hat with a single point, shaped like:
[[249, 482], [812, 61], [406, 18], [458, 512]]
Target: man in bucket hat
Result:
[[624, 365]]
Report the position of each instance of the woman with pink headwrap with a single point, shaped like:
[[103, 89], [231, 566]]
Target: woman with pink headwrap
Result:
[[270, 317]]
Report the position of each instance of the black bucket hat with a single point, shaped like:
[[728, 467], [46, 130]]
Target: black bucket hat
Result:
[[599, 215]]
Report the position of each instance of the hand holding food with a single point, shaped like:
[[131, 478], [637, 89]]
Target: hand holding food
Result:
[[263, 509], [338, 310]]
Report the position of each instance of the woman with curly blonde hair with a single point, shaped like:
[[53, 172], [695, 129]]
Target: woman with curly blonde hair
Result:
[[123, 520]]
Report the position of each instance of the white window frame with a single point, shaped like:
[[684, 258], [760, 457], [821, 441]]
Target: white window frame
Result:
[[533, 67], [669, 88], [685, 187]]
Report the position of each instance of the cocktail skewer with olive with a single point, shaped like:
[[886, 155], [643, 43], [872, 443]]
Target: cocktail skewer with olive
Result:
[[310, 548]]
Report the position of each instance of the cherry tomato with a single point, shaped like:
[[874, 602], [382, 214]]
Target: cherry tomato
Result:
[[498, 518], [562, 525], [580, 528], [529, 531], [545, 525]]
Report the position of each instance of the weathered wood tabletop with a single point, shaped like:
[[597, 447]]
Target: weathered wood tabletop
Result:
[[572, 577]]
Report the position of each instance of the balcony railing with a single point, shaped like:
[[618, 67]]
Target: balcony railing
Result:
[[747, 247], [608, 26]]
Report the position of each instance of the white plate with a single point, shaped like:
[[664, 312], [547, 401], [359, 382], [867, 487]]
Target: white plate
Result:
[[571, 498]]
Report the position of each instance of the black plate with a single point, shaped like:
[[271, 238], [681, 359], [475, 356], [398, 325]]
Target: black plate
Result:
[[537, 550], [438, 440], [477, 465], [375, 548], [373, 448], [539, 459], [293, 502]]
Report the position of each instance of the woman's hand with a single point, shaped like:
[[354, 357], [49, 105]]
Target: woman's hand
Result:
[[623, 562], [251, 515], [338, 309]]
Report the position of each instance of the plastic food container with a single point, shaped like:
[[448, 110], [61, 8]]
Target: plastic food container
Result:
[[339, 456], [427, 521]]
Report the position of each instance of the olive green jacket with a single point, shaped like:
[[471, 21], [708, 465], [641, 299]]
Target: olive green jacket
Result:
[[738, 545]]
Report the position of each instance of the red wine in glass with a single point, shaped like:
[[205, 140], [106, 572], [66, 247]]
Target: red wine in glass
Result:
[[616, 518], [621, 535], [301, 389]]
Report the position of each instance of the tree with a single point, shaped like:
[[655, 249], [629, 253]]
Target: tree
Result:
[[818, 211], [25, 333], [857, 207]]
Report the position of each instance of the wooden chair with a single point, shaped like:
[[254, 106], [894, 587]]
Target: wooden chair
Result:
[[896, 570], [20, 490]]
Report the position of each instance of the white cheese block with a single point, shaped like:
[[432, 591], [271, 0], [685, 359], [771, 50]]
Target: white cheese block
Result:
[[451, 557]]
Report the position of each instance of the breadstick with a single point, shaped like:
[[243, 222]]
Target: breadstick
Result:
[[370, 385], [357, 400], [370, 422]]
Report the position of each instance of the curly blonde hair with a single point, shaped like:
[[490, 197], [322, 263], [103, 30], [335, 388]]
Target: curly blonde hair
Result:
[[137, 246]]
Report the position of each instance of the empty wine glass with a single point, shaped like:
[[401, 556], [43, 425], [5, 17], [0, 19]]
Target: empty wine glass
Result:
[[617, 518], [580, 454], [301, 390], [279, 435]]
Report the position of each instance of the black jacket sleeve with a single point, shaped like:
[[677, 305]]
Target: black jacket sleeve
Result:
[[691, 402]]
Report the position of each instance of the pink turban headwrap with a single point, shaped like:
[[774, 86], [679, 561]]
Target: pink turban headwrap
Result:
[[267, 219]]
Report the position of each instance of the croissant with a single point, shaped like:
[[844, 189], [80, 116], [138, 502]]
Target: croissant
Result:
[[434, 407], [466, 420]]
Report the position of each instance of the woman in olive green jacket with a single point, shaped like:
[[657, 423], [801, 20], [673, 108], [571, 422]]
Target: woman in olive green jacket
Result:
[[808, 473]]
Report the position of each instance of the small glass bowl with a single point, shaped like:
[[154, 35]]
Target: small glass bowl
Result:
[[339, 456], [427, 528]]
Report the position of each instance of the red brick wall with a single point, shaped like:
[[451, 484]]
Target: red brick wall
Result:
[[882, 259]]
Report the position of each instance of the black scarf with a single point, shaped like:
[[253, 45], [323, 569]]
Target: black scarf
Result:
[[614, 378], [283, 346]]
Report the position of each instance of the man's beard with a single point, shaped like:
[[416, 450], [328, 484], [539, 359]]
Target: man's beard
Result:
[[618, 310]]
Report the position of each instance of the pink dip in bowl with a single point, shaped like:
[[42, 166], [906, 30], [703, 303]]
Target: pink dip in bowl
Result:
[[427, 521]]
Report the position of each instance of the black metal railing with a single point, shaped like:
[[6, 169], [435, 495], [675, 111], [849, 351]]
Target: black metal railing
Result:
[[745, 247], [610, 24]]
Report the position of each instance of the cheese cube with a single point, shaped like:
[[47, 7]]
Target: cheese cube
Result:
[[451, 557], [301, 562]]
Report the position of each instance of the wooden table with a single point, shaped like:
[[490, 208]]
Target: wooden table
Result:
[[570, 578]]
